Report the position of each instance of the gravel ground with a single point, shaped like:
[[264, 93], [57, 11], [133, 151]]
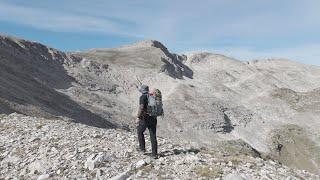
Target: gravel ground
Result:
[[37, 148]]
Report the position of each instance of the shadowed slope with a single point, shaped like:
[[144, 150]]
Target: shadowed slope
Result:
[[30, 73]]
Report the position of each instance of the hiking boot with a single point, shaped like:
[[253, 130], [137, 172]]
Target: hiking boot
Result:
[[141, 152], [154, 156]]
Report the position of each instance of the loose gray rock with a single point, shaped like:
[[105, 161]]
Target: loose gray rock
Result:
[[97, 159], [236, 176], [140, 164], [44, 177]]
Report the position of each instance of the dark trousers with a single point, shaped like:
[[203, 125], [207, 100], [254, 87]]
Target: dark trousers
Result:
[[151, 124]]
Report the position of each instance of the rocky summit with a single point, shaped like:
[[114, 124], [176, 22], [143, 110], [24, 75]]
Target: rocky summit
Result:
[[71, 115]]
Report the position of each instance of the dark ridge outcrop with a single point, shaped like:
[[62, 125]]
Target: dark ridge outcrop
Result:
[[175, 68]]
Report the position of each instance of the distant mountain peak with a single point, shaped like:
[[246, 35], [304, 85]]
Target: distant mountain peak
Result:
[[148, 44]]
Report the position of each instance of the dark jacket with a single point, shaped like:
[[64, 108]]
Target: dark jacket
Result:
[[143, 103]]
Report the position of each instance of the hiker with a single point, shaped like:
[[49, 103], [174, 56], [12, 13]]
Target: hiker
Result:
[[147, 118]]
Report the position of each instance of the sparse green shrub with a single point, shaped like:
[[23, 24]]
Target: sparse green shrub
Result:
[[2, 116], [19, 152], [235, 161], [209, 171], [39, 126], [208, 151], [147, 169]]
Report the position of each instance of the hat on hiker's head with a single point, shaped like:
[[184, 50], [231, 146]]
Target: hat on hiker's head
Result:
[[144, 89]]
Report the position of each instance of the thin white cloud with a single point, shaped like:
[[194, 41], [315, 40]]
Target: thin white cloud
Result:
[[57, 21], [185, 24], [172, 20]]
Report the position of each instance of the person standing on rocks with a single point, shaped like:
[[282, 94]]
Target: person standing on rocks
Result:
[[144, 121]]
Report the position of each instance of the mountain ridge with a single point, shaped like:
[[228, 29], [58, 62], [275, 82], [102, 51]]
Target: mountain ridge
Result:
[[208, 98]]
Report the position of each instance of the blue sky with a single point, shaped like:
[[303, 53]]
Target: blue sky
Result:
[[244, 29]]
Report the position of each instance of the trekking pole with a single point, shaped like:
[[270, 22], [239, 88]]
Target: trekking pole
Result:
[[140, 83]]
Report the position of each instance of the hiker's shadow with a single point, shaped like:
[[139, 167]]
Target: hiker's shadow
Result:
[[178, 151]]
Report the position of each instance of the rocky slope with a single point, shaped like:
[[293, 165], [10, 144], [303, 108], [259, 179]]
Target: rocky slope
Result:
[[30, 74], [209, 98], [38, 148]]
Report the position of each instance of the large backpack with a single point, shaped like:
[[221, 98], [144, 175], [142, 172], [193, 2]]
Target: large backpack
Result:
[[155, 107]]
